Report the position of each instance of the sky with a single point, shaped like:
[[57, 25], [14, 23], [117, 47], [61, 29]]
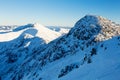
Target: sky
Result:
[[56, 12]]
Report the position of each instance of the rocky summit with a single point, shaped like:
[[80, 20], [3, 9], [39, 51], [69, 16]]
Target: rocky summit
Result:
[[89, 51]]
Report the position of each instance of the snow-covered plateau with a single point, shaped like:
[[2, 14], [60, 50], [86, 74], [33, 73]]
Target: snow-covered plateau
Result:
[[88, 51]]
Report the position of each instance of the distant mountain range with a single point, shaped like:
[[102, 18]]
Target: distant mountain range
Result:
[[88, 51]]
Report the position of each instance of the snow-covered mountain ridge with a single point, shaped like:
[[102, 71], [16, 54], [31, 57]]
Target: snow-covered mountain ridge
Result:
[[90, 51], [103, 28], [31, 29], [21, 42]]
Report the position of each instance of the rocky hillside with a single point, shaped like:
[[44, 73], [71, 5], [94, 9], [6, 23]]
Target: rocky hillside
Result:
[[90, 51]]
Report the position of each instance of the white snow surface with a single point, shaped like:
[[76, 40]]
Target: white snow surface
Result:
[[39, 31], [45, 33], [10, 36], [90, 51]]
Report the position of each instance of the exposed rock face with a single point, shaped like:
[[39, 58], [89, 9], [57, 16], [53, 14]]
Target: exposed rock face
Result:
[[89, 38], [101, 28]]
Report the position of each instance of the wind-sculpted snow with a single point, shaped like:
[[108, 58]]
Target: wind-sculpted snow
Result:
[[90, 51]]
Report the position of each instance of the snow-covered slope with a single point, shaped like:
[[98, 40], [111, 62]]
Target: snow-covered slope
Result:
[[22, 42], [39, 31], [47, 34], [90, 51]]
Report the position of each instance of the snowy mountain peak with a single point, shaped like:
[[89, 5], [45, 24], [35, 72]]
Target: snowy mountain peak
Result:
[[92, 21], [90, 51], [95, 26], [87, 20], [37, 25]]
